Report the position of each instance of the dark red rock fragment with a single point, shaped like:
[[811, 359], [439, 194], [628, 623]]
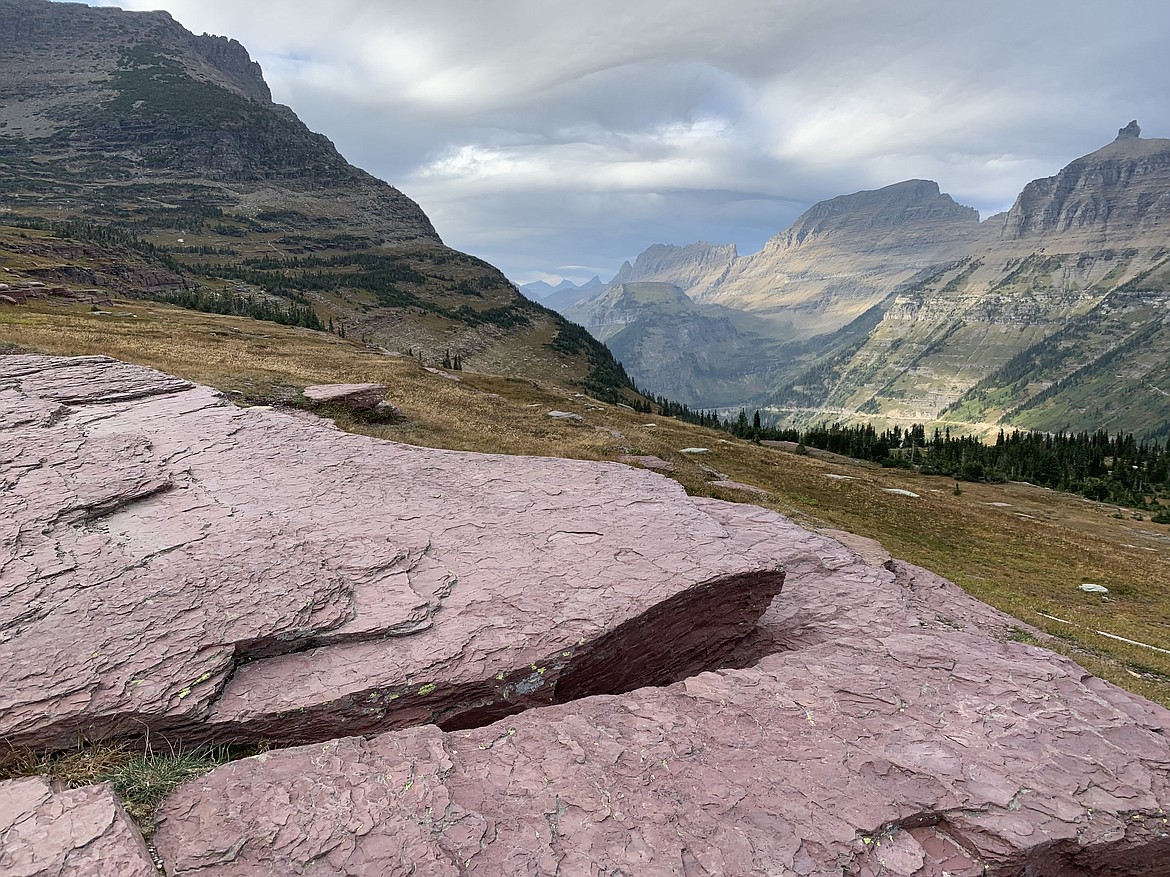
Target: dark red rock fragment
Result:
[[359, 397]]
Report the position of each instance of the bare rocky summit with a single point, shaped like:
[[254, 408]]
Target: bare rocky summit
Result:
[[843, 256], [513, 665], [1118, 194], [695, 268], [135, 105]]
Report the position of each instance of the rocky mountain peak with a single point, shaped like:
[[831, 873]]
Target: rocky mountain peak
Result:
[[103, 96], [695, 267], [231, 58], [1120, 189], [899, 207], [1132, 131]]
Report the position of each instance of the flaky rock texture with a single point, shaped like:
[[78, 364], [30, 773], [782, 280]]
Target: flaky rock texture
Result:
[[895, 734], [175, 566], [73, 833]]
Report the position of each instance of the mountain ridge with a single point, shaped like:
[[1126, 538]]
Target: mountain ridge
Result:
[[897, 305], [125, 125]]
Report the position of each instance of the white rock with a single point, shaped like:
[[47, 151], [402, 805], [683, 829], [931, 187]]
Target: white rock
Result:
[[1090, 588]]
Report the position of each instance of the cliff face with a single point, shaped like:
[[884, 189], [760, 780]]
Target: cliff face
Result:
[[844, 255], [1120, 191], [100, 97], [1054, 319], [903, 218]]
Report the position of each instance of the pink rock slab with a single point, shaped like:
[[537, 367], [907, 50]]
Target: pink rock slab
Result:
[[174, 566], [897, 734], [71, 833]]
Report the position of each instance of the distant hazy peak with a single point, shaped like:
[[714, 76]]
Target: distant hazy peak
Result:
[[911, 202], [693, 267]]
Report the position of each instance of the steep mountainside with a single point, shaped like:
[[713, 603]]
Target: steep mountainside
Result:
[[1055, 320], [124, 128], [843, 256], [1117, 194], [821, 279], [672, 346]]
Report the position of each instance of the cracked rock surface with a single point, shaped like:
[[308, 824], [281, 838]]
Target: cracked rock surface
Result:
[[173, 565], [896, 733], [74, 833]]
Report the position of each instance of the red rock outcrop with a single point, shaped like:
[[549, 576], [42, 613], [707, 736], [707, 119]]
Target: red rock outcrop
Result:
[[898, 734], [175, 566], [71, 833]]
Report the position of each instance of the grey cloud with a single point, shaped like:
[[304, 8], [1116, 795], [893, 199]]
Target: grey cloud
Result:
[[544, 134]]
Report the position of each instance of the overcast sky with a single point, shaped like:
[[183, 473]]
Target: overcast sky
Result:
[[557, 139]]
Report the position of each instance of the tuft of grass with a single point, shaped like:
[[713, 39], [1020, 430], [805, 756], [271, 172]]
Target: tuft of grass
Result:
[[141, 779]]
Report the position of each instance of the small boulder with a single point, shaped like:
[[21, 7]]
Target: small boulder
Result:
[[695, 451], [1090, 588], [738, 485], [357, 397], [564, 415]]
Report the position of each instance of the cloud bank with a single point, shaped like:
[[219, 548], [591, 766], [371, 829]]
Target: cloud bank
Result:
[[557, 140]]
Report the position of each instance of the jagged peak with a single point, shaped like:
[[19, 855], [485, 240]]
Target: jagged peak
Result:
[[1132, 131], [1096, 191], [232, 59]]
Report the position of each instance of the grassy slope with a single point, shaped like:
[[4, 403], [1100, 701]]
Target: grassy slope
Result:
[[1026, 557]]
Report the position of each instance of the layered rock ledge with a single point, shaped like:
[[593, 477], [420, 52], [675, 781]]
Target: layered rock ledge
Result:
[[177, 567], [897, 733]]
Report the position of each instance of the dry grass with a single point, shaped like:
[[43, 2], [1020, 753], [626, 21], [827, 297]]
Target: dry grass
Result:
[[140, 779], [1020, 548]]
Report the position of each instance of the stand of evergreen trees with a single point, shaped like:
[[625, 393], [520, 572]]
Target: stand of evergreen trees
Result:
[[227, 302], [1101, 466]]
